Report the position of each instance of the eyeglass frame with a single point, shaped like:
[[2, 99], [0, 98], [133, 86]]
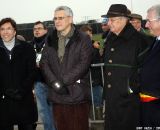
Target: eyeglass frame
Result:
[[155, 19], [112, 20], [60, 18], [39, 28]]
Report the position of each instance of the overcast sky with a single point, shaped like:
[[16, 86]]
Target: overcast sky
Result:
[[26, 11]]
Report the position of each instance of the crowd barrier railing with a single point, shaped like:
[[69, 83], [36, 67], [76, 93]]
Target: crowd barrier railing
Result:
[[93, 112]]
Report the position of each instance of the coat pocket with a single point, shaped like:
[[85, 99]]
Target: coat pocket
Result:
[[79, 92]]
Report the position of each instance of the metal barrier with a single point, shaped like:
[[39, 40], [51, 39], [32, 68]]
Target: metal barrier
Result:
[[94, 120]]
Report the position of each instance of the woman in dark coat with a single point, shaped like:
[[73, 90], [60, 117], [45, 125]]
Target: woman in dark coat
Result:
[[17, 70]]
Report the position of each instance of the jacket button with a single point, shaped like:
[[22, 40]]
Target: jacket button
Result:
[[109, 86], [112, 49], [109, 73], [110, 61]]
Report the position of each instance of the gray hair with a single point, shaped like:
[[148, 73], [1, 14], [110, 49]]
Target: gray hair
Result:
[[66, 9], [155, 8]]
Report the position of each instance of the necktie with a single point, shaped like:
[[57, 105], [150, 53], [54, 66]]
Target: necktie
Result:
[[155, 44]]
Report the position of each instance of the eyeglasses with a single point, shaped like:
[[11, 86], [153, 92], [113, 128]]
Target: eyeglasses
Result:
[[40, 28], [6, 29], [59, 18], [147, 20], [112, 20]]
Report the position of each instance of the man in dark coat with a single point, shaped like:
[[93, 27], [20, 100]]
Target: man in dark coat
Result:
[[17, 72], [124, 51], [65, 63], [150, 73]]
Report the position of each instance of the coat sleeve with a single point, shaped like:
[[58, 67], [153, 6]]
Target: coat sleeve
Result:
[[46, 70], [30, 69], [142, 51], [81, 69]]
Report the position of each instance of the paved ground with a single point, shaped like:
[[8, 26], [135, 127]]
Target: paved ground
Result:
[[39, 127], [94, 126]]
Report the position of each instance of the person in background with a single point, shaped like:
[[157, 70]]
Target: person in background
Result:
[[150, 74], [40, 87], [20, 37], [124, 54], [136, 21], [105, 27], [105, 34], [65, 64], [17, 74], [96, 73]]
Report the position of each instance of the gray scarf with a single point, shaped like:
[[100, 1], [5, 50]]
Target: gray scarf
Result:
[[62, 42]]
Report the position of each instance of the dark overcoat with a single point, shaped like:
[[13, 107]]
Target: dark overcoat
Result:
[[150, 73], [123, 57], [17, 72], [73, 71]]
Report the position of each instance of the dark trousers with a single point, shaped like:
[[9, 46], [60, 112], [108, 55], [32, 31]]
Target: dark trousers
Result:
[[150, 113], [20, 127], [71, 117]]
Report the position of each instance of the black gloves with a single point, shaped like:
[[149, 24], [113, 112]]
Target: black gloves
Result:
[[14, 94], [59, 88]]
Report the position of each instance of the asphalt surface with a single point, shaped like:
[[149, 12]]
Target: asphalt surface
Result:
[[39, 127], [94, 126]]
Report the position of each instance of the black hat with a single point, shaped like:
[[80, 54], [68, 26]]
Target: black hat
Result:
[[117, 10]]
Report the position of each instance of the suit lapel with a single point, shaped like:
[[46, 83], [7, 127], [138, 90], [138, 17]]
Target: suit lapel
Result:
[[153, 51]]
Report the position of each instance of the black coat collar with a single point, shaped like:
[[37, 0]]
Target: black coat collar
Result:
[[126, 33]]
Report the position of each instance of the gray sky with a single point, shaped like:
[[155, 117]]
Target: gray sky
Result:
[[25, 11]]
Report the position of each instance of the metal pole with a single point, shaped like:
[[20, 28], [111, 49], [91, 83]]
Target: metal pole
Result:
[[90, 76]]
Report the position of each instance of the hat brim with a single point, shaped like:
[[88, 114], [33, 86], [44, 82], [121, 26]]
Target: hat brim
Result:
[[111, 14]]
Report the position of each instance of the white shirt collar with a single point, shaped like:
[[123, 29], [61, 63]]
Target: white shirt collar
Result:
[[158, 38]]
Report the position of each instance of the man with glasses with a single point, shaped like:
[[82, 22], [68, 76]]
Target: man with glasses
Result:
[[65, 63], [40, 88], [150, 73], [17, 74], [124, 51]]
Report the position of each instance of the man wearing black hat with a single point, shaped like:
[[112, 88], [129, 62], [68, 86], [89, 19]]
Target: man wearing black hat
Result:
[[124, 52]]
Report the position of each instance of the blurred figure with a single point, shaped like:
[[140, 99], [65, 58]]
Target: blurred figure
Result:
[[95, 72], [21, 38], [124, 54], [87, 29], [105, 27], [105, 34], [150, 73], [40, 88], [17, 74], [65, 63], [136, 21]]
